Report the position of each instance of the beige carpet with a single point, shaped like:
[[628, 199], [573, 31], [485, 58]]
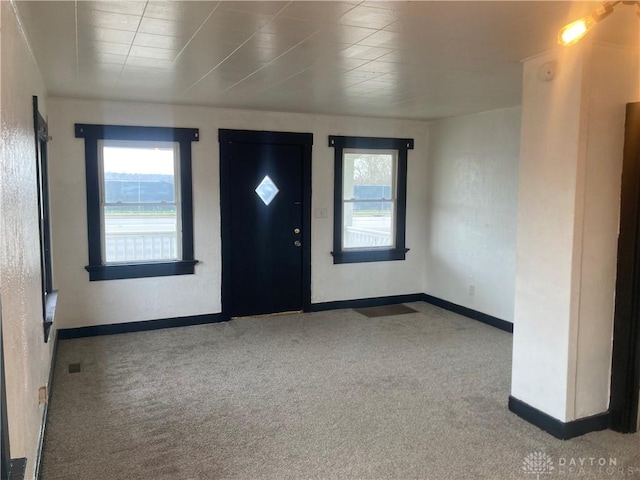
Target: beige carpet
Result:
[[308, 396]]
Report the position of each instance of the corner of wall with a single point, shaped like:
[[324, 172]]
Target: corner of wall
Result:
[[28, 360]]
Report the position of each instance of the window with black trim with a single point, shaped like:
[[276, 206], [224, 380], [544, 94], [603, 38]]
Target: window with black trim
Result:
[[370, 198], [49, 295], [139, 200]]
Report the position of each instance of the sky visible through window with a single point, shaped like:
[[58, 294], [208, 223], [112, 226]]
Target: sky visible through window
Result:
[[138, 160]]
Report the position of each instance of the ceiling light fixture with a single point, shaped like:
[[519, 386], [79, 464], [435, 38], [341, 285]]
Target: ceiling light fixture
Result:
[[574, 31]]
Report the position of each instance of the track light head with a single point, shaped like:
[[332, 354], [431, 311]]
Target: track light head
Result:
[[574, 31]]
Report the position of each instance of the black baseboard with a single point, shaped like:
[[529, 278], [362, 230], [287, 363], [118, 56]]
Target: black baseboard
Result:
[[96, 330], [18, 469], [415, 297], [366, 302], [555, 427], [467, 312], [143, 326]]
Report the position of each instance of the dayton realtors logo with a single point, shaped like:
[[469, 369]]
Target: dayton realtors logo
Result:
[[601, 466], [538, 463]]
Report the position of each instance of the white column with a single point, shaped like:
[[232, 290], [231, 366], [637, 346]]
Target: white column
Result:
[[568, 209]]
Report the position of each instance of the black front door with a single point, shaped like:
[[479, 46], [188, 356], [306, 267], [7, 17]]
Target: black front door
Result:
[[265, 197]]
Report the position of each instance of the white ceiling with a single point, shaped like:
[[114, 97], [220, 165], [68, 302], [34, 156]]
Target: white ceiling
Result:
[[420, 59]]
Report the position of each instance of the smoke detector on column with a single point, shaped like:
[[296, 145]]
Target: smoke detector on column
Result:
[[547, 71]]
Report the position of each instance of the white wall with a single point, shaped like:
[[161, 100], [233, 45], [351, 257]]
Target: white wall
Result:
[[568, 210], [27, 357], [85, 303], [472, 185]]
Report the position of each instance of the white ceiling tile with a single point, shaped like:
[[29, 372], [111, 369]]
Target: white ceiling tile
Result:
[[397, 26], [106, 47], [368, 17], [350, 63], [281, 69], [399, 56], [99, 58], [200, 57], [126, 7], [383, 38], [312, 51], [386, 5], [262, 8], [93, 69], [277, 44], [136, 74], [192, 12], [214, 35], [251, 86], [238, 20], [359, 75], [170, 28], [103, 77], [268, 76], [296, 59], [98, 18], [295, 30], [67, 64], [188, 74], [206, 88], [239, 65], [230, 27], [378, 67], [315, 11], [109, 35], [258, 51], [346, 33], [51, 54], [43, 14], [149, 52], [155, 63], [364, 52], [159, 41]]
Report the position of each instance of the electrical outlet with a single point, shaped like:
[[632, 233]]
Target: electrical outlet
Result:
[[322, 212], [472, 289], [42, 395]]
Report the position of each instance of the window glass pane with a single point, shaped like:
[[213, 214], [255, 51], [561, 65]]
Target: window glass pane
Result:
[[138, 175], [140, 233], [140, 213], [368, 224], [368, 195], [368, 176]]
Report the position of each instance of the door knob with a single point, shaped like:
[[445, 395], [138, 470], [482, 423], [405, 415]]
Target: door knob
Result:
[[297, 243]]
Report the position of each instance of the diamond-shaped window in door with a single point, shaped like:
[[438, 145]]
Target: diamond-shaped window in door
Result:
[[267, 190]]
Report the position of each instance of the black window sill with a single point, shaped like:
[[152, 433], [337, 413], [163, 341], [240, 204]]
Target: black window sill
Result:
[[361, 256], [50, 302], [140, 270]]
